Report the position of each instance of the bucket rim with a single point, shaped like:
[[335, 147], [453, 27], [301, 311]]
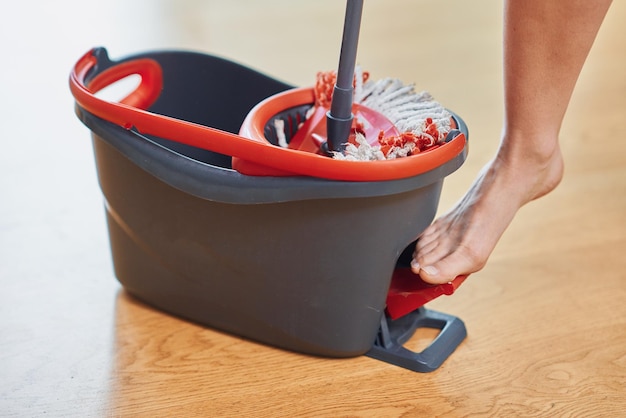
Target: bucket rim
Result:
[[215, 183]]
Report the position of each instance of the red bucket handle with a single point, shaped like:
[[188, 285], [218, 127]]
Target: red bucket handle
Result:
[[84, 85], [258, 155], [86, 81]]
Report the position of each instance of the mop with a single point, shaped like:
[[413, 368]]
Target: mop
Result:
[[366, 120], [422, 122]]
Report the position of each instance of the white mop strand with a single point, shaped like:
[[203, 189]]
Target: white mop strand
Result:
[[279, 126], [404, 107], [362, 151]]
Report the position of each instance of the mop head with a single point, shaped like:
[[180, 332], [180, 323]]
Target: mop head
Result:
[[423, 123]]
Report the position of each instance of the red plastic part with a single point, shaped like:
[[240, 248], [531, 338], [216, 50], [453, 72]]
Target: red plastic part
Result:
[[320, 166], [409, 292], [313, 131], [144, 95], [252, 153]]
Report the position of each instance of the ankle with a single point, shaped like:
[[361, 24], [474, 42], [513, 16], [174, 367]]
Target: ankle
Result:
[[529, 148], [534, 163]]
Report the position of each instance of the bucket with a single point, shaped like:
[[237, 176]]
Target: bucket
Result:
[[294, 261]]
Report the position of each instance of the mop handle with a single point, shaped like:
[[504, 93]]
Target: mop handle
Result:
[[339, 118]]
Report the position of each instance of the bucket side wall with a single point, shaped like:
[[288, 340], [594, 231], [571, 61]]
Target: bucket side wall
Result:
[[310, 276]]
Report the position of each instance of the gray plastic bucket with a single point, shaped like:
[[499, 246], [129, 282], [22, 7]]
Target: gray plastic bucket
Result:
[[296, 262]]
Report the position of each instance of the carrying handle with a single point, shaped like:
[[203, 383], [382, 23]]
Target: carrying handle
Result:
[[95, 71]]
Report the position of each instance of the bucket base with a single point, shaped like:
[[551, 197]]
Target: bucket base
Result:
[[389, 348]]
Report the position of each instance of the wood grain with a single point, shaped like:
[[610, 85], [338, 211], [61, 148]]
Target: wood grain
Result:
[[546, 318]]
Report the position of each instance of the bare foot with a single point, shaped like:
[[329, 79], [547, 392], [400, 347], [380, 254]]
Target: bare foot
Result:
[[461, 241]]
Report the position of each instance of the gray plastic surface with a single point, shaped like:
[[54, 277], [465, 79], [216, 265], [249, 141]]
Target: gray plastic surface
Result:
[[389, 346], [339, 118]]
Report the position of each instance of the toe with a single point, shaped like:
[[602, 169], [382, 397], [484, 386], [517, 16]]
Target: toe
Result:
[[447, 268]]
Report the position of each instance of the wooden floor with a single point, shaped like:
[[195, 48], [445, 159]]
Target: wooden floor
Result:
[[546, 318]]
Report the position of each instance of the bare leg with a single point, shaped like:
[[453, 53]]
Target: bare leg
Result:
[[545, 46]]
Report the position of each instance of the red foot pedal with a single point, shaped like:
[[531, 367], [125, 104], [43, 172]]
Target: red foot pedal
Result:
[[409, 292]]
